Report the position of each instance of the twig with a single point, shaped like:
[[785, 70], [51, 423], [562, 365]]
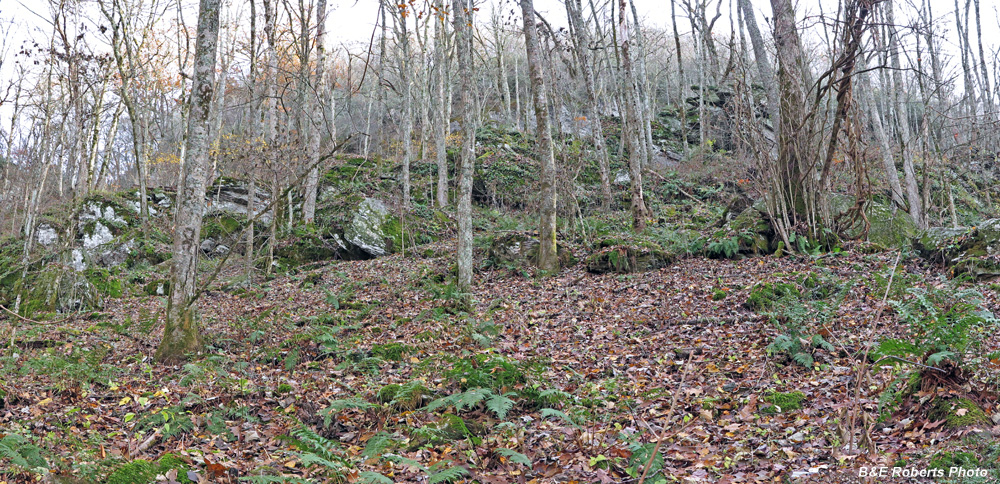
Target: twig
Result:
[[32, 321], [862, 370], [670, 412]]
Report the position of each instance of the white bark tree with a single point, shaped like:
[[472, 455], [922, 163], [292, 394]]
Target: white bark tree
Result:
[[181, 335]]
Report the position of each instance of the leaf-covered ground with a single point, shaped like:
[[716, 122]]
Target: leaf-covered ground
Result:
[[578, 376]]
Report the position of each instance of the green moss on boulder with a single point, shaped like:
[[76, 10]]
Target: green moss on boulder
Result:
[[957, 412], [620, 256], [135, 472]]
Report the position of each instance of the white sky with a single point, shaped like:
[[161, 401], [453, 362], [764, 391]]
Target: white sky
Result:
[[352, 21]]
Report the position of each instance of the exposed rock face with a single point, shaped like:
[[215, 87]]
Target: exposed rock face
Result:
[[100, 235], [628, 258], [228, 196], [974, 251], [367, 229], [46, 235]]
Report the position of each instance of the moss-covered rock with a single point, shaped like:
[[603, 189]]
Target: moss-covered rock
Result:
[[626, 259], [57, 288], [517, 249], [135, 472], [957, 412], [157, 287], [889, 226], [974, 251], [408, 396], [174, 462], [948, 460]]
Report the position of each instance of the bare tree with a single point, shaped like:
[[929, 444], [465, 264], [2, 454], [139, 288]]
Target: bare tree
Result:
[[632, 132], [181, 334], [548, 260], [467, 152], [581, 45]]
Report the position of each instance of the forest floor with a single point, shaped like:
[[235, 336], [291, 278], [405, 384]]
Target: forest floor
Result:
[[578, 374]]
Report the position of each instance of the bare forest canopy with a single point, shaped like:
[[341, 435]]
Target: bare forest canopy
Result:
[[497, 241]]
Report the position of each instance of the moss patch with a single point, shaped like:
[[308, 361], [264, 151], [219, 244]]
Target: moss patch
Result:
[[783, 402], [135, 472], [628, 258], [957, 412]]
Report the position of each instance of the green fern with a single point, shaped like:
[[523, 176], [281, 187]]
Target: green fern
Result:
[[369, 477], [22, 453], [440, 473], [500, 405], [514, 456], [273, 479], [377, 445], [551, 412]]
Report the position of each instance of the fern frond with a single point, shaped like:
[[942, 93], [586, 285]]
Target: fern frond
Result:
[[398, 459], [376, 445], [314, 443], [803, 358], [500, 405], [551, 412], [369, 477], [471, 398], [514, 456], [447, 475]]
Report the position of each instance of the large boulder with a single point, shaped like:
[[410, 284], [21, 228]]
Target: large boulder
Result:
[[368, 229], [231, 197], [622, 257], [55, 289], [103, 235], [974, 251]]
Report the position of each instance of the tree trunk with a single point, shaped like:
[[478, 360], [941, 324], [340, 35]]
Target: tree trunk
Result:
[[547, 257], [441, 104], [633, 129], [903, 125], [467, 156], [406, 79], [317, 118], [764, 70], [581, 32], [791, 145], [181, 334]]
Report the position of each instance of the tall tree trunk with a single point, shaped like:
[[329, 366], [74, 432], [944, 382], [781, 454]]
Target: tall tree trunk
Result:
[[903, 125], [642, 82], [181, 334], [271, 122], [317, 117], [406, 79], [467, 152], [885, 147], [791, 89], [581, 33], [987, 92], [633, 130], [548, 259], [441, 103], [681, 107], [764, 70]]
